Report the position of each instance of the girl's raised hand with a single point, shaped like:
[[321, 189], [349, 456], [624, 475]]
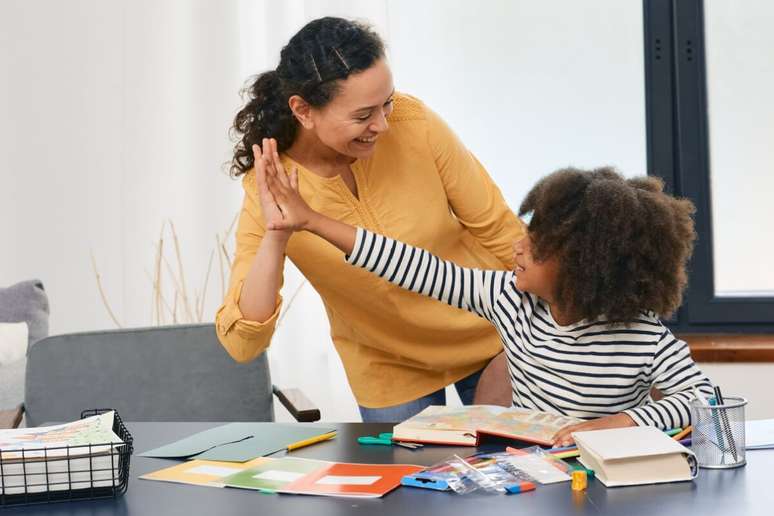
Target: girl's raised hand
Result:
[[269, 207], [295, 213]]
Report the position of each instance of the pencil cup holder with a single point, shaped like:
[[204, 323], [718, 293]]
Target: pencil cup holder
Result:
[[718, 433]]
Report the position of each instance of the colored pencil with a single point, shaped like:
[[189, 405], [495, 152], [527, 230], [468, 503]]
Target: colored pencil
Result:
[[682, 434]]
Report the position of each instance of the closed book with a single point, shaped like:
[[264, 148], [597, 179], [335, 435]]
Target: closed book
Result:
[[635, 455]]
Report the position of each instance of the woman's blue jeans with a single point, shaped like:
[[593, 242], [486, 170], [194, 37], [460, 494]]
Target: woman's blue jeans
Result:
[[466, 388]]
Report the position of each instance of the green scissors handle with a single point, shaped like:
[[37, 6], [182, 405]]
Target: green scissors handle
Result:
[[384, 439]]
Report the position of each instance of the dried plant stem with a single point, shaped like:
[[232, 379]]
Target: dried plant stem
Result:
[[204, 289], [102, 291], [220, 263], [225, 254], [183, 290], [290, 302], [164, 303], [231, 227], [175, 282], [181, 309], [172, 274], [157, 279], [221, 249]]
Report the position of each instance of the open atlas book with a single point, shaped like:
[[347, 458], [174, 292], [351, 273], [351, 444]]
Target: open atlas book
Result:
[[465, 425]]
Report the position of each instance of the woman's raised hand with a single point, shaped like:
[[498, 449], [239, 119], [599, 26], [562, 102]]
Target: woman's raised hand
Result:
[[263, 158], [295, 214]]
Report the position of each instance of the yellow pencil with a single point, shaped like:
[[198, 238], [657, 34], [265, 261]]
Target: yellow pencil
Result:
[[313, 440], [686, 431]]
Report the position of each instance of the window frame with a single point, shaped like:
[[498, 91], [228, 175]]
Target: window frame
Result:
[[678, 152]]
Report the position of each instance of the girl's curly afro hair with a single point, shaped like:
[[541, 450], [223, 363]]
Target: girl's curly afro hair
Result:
[[622, 244]]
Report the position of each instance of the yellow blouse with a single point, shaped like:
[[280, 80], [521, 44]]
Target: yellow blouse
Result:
[[423, 187]]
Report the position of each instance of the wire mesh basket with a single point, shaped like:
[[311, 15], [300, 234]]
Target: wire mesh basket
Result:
[[718, 438], [55, 474]]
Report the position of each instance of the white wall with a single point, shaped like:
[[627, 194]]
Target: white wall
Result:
[[529, 86], [750, 381], [114, 118]]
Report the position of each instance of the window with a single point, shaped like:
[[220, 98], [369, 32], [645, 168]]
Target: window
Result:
[[710, 132]]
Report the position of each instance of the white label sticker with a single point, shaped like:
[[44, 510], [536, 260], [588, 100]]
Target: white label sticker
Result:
[[538, 468], [334, 480], [216, 471], [280, 476]]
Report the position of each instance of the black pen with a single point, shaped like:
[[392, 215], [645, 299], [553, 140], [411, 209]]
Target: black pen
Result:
[[726, 424]]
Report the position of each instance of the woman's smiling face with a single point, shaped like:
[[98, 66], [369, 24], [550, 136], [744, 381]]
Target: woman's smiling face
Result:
[[352, 122]]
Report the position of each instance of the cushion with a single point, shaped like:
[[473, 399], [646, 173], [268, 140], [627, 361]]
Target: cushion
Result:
[[13, 342], [12, 384], [26, 302], [13, 350]]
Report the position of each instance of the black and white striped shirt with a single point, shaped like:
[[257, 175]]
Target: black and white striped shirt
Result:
[[586, 370]]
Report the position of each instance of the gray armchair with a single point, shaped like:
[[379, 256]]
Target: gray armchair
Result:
[[494, 384], [170, 373]]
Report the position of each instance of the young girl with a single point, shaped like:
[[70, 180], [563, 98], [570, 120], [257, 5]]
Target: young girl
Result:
[[578, 316]]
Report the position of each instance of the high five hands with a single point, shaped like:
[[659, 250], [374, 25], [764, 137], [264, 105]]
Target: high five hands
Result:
[[283, 207]]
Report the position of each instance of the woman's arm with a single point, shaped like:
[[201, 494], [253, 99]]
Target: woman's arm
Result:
[[246, 320], [473, 197], [264, 279]]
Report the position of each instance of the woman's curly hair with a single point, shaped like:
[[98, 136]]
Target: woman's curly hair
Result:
[[312, 64], [622, 244]]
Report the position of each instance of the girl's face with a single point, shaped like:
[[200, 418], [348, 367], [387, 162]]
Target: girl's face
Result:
[[353, 121], [535, 277]]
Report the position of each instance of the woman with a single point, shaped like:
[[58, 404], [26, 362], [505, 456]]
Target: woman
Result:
[[329, 105]]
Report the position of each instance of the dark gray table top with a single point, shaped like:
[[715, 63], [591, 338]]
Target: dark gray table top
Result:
[[743, 491]]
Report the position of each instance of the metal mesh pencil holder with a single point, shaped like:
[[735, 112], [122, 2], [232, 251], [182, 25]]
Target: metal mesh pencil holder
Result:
[[65, 473], [717, 437]]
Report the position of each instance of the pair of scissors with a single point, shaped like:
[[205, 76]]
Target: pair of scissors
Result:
[[385, 439]]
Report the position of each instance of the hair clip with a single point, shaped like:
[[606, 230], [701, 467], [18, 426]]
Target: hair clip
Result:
[[341, 58], [314, 64]]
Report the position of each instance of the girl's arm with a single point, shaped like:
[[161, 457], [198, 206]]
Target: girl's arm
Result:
[[406, 266], [674, 373]]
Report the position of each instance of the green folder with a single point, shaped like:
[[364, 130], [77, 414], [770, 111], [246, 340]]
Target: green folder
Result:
[[237, 442]]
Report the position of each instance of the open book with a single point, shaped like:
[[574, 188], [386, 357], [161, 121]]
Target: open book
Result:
[[635, 455], [464, 426]]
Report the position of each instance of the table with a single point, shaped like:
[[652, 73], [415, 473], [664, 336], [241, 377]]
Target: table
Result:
[[743, 491]]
